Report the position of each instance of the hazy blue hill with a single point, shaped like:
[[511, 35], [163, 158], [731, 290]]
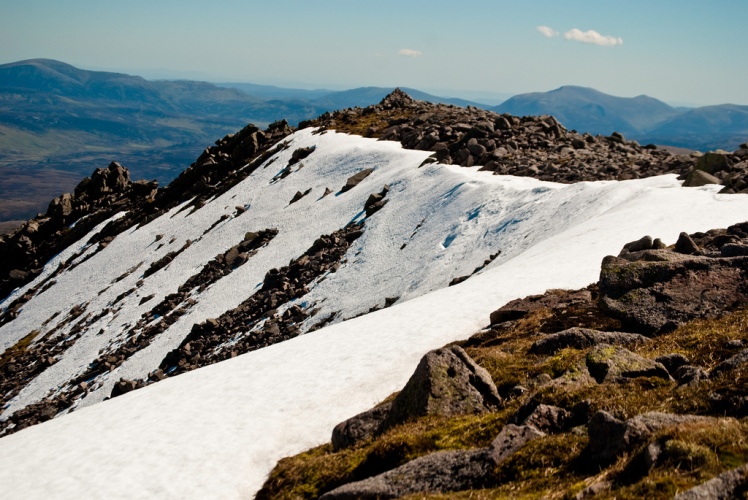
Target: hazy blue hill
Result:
[[588, 110], [38, 76], [271, 92], [724, 126], [58, 123]]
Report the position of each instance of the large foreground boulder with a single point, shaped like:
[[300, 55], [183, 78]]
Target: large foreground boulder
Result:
[[441, 472], [446, 382], [656, 296]]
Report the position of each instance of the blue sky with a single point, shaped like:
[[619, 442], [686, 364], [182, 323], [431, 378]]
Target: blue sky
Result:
[[687, 51]]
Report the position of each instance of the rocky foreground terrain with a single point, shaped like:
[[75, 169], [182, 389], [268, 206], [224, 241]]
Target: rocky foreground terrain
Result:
[[634, 387]]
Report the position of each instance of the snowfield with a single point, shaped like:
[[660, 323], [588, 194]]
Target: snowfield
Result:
[[217, 432]]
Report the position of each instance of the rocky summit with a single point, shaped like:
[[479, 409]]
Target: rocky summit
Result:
[[493, 270]]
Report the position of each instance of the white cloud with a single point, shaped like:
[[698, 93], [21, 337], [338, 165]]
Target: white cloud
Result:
[[547, 32], [592, 37], [410, 53]]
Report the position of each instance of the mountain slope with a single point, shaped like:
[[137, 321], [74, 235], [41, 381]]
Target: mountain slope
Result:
[[588, 110], [702, 128], [642, 118]]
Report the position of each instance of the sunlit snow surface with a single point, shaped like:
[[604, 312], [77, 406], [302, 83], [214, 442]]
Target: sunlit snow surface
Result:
[[217, 432]]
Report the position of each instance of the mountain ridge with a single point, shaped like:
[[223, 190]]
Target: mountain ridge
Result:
[[280, 253], [643, 118]]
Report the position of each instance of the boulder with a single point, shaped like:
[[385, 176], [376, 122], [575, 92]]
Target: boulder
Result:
[[446, 382], [608, 363], [700, 178], [610, 437], [547, 418], [355, 179], [731, 364], [552, 299], [439, 472], [359, 428], [582, 338], [686, 245], [711, 163], [510, 439], [689, 375], [653, 297], [726, 486], [300, 153], [645, 243], [672, 362]]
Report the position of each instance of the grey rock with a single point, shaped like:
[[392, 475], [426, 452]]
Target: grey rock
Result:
[[734, 250], [700, 178], [608, 363], [547, 418], [582, 338], [653, 297], [439, 472], [690, 375], [446, 382], [510, 439], [593, 490], [645, 243], [356, 179], [610, 437], [730, 364], [359, 428], [712, 163], [672, 362], [519, 308], [728, 485], [657, 244], [686, 245]]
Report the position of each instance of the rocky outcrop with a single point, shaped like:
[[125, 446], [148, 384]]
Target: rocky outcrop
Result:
[[655, 290], [109, 191], [519, 308], [584, 392]]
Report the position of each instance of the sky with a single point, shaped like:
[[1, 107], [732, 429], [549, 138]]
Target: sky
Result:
[[683, 52]]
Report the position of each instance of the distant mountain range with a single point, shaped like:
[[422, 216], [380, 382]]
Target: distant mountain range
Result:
[[643, 118], [58, 123]]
